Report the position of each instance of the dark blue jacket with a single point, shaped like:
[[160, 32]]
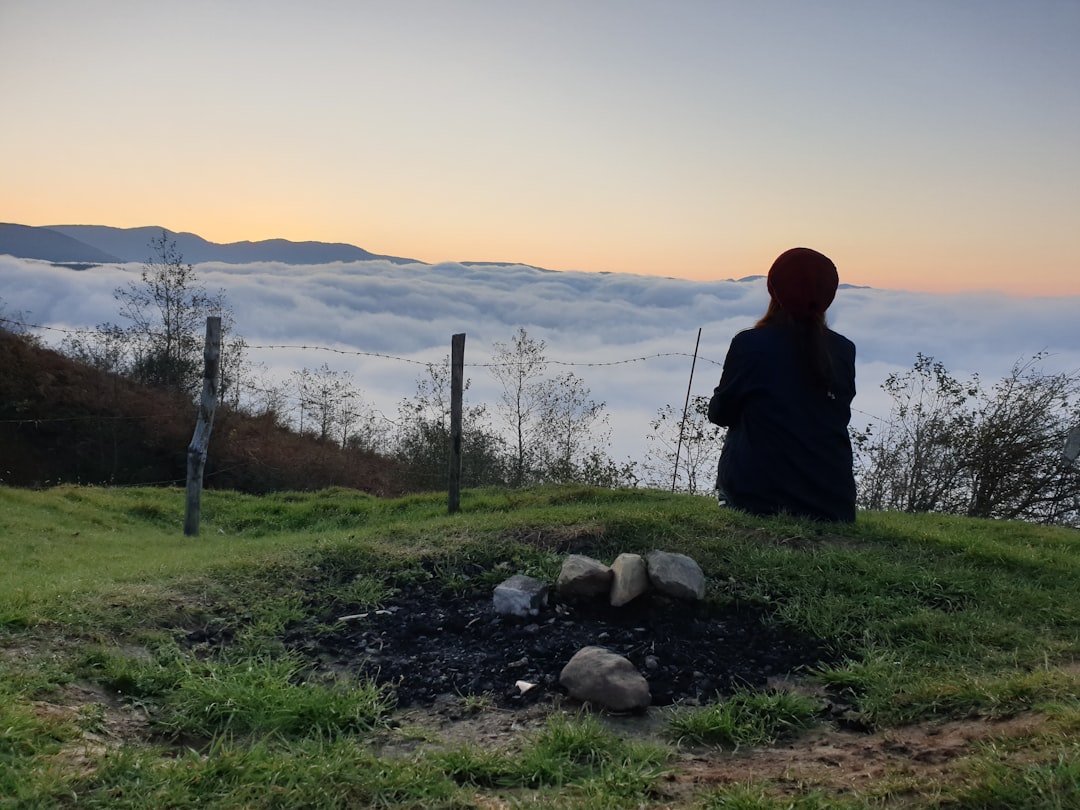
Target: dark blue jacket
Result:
[[787, 447]]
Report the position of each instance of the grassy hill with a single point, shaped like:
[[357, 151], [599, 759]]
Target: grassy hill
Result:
[[139, 668]]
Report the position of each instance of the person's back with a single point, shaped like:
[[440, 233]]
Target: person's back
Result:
[[785, 395]]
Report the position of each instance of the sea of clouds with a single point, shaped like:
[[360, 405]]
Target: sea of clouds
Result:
[[631, 338]]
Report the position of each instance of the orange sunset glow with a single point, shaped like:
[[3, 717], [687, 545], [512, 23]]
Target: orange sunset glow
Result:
[[926, 147]]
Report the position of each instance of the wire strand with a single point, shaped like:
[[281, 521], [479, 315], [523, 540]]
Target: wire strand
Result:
[[397, 358]]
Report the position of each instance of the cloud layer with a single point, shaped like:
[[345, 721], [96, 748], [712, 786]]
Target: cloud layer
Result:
[[630, 338]]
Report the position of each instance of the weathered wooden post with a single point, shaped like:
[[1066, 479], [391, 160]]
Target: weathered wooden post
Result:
[[196, 454], [457, 386]]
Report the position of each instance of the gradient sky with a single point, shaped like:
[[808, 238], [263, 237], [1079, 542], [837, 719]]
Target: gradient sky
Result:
[[924, 145]]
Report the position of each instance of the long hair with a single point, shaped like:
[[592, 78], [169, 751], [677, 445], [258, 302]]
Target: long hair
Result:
[[811, 343]]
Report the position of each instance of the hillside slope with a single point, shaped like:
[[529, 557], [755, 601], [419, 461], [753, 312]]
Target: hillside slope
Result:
[[26, 242], [62, 421]]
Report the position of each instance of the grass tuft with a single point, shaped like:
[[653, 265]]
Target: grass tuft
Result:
[[1051, 783], [745, 719], [570, 752], [263, 697]]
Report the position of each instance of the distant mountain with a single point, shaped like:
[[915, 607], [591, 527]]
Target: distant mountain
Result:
[[26, 242], [842, 285], [100, 244]]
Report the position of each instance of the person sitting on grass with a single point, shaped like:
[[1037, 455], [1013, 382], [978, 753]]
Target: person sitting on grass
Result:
[[785, 396]]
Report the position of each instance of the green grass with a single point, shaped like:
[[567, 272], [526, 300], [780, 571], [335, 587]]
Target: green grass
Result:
[[311, 773], [568, 753], [935, 618], [26, 739], [1052, 782], [240, 696], [746, 719]]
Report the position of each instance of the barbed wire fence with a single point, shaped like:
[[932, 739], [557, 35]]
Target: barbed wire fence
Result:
[[422, 363], [289, 406], [285, 405]]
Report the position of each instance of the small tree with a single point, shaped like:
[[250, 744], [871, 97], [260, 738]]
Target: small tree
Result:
[[106, 348], [519, 366], [692, 440], [162, 345], [573, 446], [264, 395], [330, 403], [167, 308], [422, 440], [556, 431], [370, 431]]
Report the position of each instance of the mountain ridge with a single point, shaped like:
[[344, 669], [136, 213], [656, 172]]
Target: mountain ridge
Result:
[[104, 244], [83, 246], [29, 242]]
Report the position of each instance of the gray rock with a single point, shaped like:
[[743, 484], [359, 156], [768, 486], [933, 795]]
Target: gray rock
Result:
[[601, 677], [520, 596], [676, 575], [629, 580], [582, 577]]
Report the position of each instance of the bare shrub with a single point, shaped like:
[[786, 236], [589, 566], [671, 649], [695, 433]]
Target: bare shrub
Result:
[[956, 447]]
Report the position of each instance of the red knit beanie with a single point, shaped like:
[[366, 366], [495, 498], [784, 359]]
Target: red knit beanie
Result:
[[803, 282]]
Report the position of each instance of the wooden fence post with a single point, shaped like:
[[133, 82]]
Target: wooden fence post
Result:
[[196, 454], [457, 369]]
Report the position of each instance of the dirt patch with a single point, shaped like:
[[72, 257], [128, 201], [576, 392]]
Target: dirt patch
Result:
[[838, 762], [103, 721], [911, 760], [432, 644], [832, 759]]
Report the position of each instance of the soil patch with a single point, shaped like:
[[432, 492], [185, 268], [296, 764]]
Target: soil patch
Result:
[[429, 644], [911, 759]]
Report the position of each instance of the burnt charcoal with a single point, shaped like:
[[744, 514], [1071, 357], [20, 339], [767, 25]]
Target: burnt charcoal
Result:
[[429, 643]]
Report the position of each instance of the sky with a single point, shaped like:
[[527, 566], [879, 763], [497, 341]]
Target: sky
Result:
[[925, 146], [631, 339]]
